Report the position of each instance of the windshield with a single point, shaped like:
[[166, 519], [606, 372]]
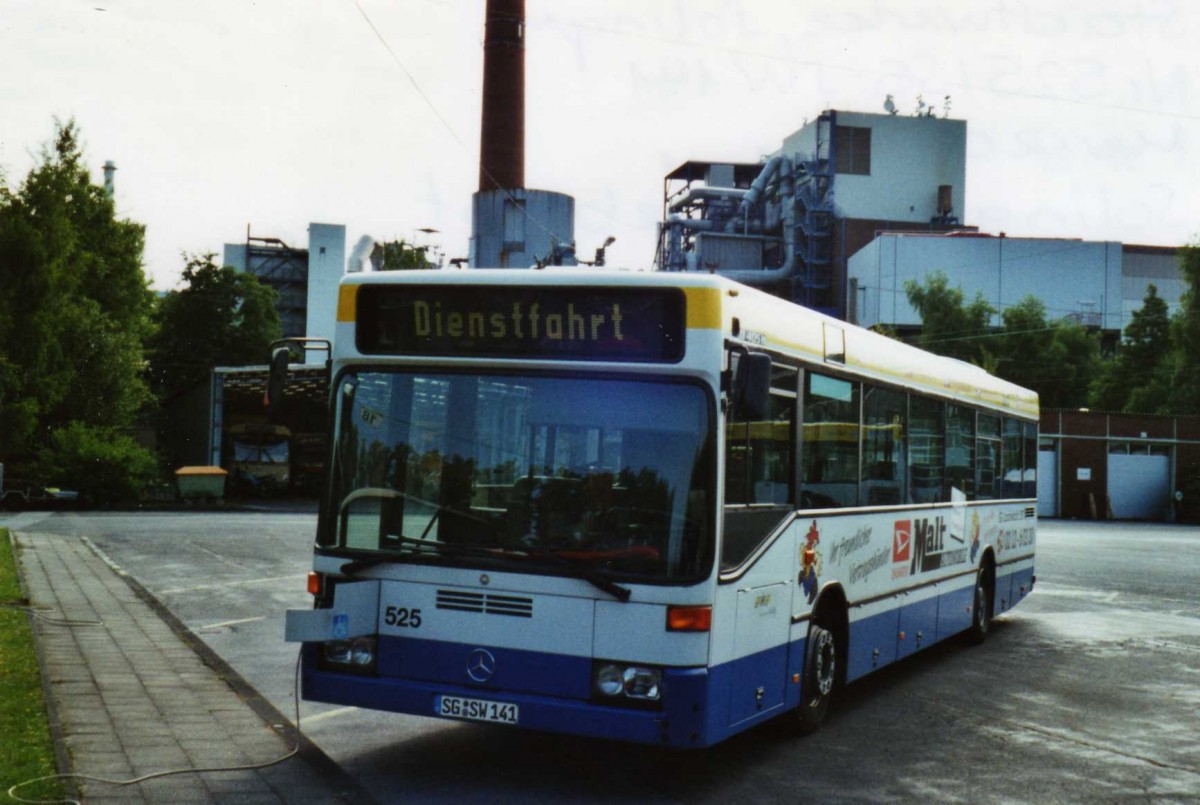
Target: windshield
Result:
[[613, 475], [273, 452]]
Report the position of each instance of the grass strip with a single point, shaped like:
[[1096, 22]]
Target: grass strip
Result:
[[26, 749]]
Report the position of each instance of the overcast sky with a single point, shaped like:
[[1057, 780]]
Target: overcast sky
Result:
[[1083, 117]]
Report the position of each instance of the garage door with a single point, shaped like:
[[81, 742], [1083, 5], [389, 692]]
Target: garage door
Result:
[[1139, 486], [1047, 480]]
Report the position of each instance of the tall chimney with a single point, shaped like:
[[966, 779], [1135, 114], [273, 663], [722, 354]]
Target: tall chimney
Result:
[[502, 138]]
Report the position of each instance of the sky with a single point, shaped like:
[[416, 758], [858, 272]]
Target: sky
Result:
[[1083, 116]]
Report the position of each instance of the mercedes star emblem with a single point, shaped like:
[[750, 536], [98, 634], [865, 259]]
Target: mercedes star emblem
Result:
[[481, 665]]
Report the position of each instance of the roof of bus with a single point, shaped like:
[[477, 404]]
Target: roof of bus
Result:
[[766, 321]]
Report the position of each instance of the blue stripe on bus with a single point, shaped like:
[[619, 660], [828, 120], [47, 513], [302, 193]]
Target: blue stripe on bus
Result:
[[680, 723], [516, 670], [955, 611], [700, 706]]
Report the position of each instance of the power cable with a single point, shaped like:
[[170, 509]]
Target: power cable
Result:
[[446, 124], [155, 775]]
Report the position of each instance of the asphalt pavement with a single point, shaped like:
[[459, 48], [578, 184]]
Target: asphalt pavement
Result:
[[141, 710]]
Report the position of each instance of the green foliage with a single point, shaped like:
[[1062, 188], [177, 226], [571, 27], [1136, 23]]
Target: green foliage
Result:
[[949, 325], [105, 466], [1137, 379], [398, 255], [1183, 368], [223, 317], [1057, 359], [74, 304], [1156, 369], [26, 751]]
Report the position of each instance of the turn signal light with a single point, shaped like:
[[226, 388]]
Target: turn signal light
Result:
[[689, 618], [314, 583]]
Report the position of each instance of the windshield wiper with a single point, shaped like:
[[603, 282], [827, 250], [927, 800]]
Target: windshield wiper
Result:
[[576, 570], [597, 580], [417, 545]]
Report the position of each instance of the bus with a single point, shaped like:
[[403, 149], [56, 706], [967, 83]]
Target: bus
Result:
[[655, 507], [259, 458]]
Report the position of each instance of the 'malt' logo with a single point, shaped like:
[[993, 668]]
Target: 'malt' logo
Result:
[[902, 541]]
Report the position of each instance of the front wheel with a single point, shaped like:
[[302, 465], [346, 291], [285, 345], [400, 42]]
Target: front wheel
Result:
[[981, 611], [820, 675]]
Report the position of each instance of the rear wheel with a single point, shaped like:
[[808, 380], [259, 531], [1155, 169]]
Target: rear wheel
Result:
[[981, 611], [820, 676]]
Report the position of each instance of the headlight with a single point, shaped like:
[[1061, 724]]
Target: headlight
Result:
[[612, 680], [338, 651], [362, 651], [641, 683]]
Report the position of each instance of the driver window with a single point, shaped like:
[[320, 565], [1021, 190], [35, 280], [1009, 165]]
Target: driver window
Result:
[[759, 469]]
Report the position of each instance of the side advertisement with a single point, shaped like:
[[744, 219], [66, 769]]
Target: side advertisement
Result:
[[874, 554]]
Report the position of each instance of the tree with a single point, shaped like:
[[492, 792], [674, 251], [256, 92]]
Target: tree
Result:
[[1183, 367], [398, 255], [74, 305], [949, 326], [1057, 359], [223, 317], [105, 466], [1137, 379]]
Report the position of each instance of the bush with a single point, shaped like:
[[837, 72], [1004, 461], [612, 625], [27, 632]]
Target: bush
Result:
[[106, 467]]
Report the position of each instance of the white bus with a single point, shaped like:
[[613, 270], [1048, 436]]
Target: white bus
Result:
[[655, 507]]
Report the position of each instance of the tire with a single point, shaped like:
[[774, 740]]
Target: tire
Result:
[[981, 609], [820, 677]]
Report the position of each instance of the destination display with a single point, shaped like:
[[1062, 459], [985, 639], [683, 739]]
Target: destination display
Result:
[[566, 323]]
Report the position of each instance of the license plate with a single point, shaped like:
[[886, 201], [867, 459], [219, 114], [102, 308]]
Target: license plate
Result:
[[476, 709]]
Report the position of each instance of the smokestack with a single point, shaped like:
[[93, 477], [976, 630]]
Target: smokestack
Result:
[[502, 138], [110, 168]]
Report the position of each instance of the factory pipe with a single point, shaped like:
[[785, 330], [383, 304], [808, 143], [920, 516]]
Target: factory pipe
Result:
[[697, 193], [783, 166]]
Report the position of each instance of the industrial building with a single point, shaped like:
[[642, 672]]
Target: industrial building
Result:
[[305, 279], [1094, 465], [854, 205], [1094, 283], [790, 223]]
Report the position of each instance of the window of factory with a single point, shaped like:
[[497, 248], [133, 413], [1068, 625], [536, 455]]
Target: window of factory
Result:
[[852, 150]]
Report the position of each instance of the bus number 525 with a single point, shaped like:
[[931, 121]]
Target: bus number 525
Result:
[[402, 616]]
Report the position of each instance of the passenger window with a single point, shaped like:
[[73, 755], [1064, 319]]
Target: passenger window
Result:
[[830, 443], [1014, 460], [960, 451], [1029, 487], [987, 465], [884, 464], [926, 457]]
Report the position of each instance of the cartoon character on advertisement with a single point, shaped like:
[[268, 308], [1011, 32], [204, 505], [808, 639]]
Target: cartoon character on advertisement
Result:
[[809, 560], [974, 535]]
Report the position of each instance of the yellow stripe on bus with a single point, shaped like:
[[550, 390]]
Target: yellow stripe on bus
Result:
[[703, 308], [347, 308]]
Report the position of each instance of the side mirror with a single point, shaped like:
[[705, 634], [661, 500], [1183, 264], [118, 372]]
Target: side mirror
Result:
[[752, 386], [273, 399]]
